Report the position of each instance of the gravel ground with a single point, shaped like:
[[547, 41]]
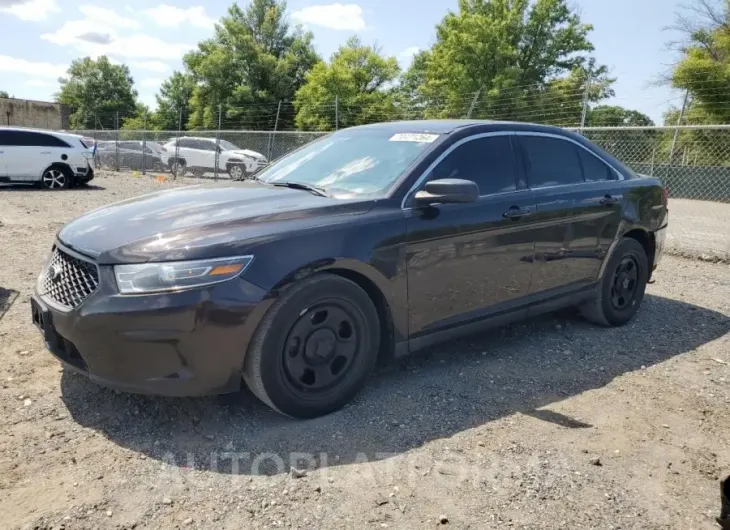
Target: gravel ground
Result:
[[553, 423]]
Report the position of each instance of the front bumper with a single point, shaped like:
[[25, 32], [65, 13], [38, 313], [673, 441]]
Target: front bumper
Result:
[[189, 343]]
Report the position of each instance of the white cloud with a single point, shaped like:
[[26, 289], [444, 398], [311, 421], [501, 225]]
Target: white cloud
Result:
[[346, 17], [153, 66], [102, 39], [171, 16], [151, 82], [36, 69], [40, 82], [405, 58], [32, 10], [107, 16]]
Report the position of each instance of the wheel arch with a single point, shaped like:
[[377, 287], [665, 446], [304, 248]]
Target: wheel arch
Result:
[[648, 241], [370, 280], [58, 165]]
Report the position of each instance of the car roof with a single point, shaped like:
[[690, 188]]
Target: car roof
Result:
[[44, 131], [449, 126]]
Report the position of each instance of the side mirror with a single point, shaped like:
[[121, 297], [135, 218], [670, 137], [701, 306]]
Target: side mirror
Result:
[[448, 191]]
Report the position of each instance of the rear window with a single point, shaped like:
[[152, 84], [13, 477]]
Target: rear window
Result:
[[81, 141]]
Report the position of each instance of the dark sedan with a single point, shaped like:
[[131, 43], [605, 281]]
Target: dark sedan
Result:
[[361, 246]]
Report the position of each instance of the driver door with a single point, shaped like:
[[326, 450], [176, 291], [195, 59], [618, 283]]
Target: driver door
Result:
[[466, 262]]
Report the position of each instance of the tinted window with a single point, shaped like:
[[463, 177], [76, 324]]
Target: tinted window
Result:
[[186, 142], [30, 139], [487, 161], [550, 161], [206, 145], [594, 169]]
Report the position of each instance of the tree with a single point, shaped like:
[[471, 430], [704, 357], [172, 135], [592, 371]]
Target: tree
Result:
[[704, 70], [97, 91], [615, 116], [359, 77], [175, 94], [511, 52], [4, 94], [254, 61], [141, 120]]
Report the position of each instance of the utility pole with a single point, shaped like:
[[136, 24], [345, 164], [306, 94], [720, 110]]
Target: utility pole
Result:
[[337, 113], [679, 122], [218, 142], [276, 127], [473, 103], [144, 144], [584, 114]]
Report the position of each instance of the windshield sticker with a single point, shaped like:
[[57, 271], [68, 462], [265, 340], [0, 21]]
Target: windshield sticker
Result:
[[420, 138]]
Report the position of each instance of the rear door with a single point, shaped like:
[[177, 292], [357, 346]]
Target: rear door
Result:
[[578, 211], [4, 138], [31, 152]]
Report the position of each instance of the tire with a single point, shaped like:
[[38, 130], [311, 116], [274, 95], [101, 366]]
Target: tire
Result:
[[237, 172], [622, 288], [315, 348], [198, 172], [178, 167], [158, 167], [56, 178]]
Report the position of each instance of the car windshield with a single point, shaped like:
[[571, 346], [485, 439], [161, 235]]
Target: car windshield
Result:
[[357, 162], [228, 146]]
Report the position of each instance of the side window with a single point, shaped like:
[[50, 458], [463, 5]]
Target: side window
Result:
[[44, 140], [594, 169], [487, 161], [550, 161], [206, 145], [186, 142], [5, 137]]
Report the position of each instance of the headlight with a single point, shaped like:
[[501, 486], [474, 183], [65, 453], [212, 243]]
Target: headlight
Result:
[[178, 275]]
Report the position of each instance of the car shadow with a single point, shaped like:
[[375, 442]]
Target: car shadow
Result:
[[25, 187], [434, 394], [7, 297]]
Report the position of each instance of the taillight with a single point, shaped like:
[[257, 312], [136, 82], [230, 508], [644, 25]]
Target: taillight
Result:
[[665, 196]]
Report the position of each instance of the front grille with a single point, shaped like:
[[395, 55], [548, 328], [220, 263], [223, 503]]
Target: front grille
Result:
[[68, 280]]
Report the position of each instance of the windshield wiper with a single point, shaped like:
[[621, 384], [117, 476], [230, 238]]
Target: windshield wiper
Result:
[[317, 190]]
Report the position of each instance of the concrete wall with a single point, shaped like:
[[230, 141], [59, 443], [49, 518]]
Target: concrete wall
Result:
[[28, 113]]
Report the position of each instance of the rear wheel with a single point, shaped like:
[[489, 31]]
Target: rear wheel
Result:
[[56, 178], [622, 288], [315, 348], [198, 172], [178, 167]]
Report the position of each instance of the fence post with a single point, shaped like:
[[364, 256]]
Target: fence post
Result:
[[273, 135], [653, 160], [584, 114], [177, 146], [473, 103], [144, 143], [676, 131], [218, 141], [116, 141], [337, 113]]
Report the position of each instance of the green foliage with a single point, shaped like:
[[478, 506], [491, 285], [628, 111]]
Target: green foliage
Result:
[[526, 60], [142, 120], [175, 94], [704, 69], [359, 77], [4, 94], [615, 116], [96, 90], [254, 61]]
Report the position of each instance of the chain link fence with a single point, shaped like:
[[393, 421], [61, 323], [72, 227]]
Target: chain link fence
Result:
[[693, 162]]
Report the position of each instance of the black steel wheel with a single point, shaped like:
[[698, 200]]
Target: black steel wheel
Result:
[[622, 287], [315, 348]]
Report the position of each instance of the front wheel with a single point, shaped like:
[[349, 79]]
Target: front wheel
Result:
[[622, 288], [315, 348], [237, 172]]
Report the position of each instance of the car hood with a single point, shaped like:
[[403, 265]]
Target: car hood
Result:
[[245, 152], [200, 222]]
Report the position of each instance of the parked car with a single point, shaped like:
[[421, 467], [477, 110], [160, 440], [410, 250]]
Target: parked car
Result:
[[197, 155], [364, 245], [133, 154], [50, 159]]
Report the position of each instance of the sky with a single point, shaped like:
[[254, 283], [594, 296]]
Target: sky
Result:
[[39, 38]]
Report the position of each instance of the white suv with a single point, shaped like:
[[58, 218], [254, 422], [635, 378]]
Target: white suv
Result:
[[198, 156], [54, 160]]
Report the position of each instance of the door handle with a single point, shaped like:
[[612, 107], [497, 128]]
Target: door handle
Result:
[[608, 200], [516, 212]]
